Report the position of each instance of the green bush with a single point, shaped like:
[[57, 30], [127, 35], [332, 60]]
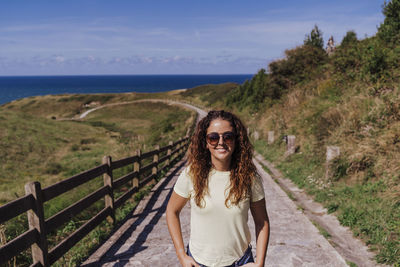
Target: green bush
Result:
[[375, 60], [299, 66], [389, 30], [315, 38], [350, 39], [347, 60], [252, 94]]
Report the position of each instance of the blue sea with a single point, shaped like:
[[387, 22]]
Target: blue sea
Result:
[[15, 87]]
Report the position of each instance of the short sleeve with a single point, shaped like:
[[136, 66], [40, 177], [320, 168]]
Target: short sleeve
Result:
[[183, 184], [257, 189]]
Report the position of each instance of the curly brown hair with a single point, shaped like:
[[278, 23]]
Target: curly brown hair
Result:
[[242, 168]]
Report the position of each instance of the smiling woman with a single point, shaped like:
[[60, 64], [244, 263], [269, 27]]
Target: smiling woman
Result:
[[222, 185]]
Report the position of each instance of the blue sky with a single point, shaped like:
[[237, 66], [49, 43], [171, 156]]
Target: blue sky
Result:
[[167, 37]]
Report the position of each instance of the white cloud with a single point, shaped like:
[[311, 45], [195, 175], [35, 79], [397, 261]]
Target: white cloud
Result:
[[59, 59], [109, 44]]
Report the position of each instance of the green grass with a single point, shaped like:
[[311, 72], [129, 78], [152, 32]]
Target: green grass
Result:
[[322, 231], [45, 150], [365, 208], [37, 148], [32, 149], [210, 95], [350, 99], [351, 264]]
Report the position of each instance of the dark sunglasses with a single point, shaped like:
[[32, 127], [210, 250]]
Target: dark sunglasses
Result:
[[213, 138]]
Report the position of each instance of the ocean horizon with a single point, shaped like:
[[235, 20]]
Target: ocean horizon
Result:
[[17, 87]]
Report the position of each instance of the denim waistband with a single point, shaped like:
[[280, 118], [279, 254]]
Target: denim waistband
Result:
[[246, 258]]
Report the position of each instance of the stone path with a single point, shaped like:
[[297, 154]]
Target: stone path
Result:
[[144, 239]]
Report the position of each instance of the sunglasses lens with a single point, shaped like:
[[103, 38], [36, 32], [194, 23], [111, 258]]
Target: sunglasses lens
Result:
[[229, 137], [213, 138]]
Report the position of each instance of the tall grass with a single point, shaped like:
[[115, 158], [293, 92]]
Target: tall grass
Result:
[[36, 148]]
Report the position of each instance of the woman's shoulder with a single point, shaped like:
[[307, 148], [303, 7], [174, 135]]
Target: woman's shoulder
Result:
[[184, 185], [257, 188], [186, 169], [186, 172]]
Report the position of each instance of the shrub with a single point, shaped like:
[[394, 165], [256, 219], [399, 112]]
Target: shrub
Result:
[[389, 30], [252, 93], [347, 60], [300, 65], [315, 38], [375, 60], [349, 39]]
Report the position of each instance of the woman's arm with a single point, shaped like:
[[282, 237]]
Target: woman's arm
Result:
[[175, 205], [261, 221]]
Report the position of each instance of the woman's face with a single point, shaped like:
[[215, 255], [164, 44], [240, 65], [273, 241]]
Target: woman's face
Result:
[[221, 151]]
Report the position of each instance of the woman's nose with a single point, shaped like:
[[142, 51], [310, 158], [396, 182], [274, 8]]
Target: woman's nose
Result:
[[221, 140]]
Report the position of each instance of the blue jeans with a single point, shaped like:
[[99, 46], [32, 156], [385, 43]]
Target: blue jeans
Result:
[[246, 258]]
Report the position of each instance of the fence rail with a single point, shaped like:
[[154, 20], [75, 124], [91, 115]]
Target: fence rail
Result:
[[35, 197]]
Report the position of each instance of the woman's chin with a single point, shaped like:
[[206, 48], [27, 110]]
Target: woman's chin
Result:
[[222, 156]]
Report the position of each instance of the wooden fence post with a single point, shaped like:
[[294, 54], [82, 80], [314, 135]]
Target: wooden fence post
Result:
[[154, 170], [180, 146], [184, 146], [36, 221], [136, 168], [108, 181], [169, 151]]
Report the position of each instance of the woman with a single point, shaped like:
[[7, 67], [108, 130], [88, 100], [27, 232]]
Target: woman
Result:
[[222, 184]]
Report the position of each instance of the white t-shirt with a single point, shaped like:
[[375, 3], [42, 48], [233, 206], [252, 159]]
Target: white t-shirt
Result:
[[218, 235]]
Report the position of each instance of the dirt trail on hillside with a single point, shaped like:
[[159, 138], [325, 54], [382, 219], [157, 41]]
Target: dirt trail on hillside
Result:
[[199, 111]]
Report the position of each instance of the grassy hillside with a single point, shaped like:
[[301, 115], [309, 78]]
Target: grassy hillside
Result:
[[47, 150], [36, 147], [349, 99], [211, 95], [71, 106]]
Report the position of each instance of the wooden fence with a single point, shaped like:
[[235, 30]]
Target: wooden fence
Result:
[[33, 202]]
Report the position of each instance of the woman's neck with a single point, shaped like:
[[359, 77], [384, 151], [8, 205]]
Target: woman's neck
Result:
[[221, 166]]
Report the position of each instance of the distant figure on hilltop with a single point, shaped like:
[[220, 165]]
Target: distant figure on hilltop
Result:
[[330, 47], [222, 184]]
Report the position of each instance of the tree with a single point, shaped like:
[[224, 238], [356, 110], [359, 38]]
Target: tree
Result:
[[315, 38], [349, 39], [389, 30]]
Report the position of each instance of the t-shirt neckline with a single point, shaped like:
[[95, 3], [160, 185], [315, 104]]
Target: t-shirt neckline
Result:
[[220, 172]]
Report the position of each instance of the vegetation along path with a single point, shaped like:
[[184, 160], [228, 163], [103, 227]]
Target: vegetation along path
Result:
[[143, 240]]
